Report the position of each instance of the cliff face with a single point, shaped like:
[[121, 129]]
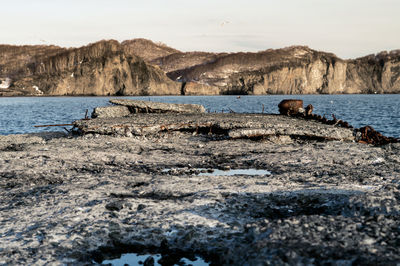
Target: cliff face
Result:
[[295, 70], [102, 68], [15, 63], [375, 73], [142, 67], [181, 61], [15, 60]]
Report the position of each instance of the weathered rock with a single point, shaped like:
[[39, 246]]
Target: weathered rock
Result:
[[325, 202], [175, 62], [111, 68], [291, 70], [223, 125], [136, 106], [195, 88], [102, 68], [110, 111]]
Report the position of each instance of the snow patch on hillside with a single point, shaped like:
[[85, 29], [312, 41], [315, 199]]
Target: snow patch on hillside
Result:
[[5, 83], [37, 90]]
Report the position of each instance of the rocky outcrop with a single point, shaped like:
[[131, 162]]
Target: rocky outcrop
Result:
[[196, 88], [179, 61], [223, 126], [16, 62], [102, 68], [142, 67], [110, 111], [136, 106], [375, 73], [295, 70]]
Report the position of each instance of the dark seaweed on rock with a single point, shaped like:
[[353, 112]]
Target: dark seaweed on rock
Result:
[[368, 135], [371, 136]]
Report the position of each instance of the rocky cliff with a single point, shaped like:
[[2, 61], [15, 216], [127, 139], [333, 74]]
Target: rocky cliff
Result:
[[102, 68], [16, 62], [142, 67], [374, 73], [293, 70]]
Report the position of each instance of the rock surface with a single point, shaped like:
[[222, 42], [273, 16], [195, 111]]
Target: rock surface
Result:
[[110, 111], [102, 68], [291, 70], [222, 125], [195, 88], [137, 106], [141, 67], [73, 200]]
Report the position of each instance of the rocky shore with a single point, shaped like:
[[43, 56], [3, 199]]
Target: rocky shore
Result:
[[149, 183]]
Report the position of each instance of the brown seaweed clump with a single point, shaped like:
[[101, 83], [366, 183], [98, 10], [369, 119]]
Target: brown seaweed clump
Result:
[[370, 136], [366, 134]]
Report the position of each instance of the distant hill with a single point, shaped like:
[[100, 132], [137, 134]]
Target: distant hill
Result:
[[142, 67], [147, 49], [102, 68], [291, 70]]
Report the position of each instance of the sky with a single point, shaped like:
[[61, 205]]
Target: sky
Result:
[[347, 28]]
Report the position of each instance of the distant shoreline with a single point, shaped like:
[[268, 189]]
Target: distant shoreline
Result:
[[178, 95], [141, 67]]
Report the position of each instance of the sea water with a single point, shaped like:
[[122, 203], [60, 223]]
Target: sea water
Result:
[[382, 112]]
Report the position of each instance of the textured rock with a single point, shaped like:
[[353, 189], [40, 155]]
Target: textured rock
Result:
[[194, 88], [136, 106], [110, 111], [292, 70], [325, 202], [102, 68], [223, 125], [139, 67], [180, 61], [18, 61]]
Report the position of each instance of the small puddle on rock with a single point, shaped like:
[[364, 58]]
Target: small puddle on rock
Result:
[[153, 259], [216, 172]]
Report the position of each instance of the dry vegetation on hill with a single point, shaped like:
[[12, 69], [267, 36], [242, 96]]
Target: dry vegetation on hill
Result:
[[142, 67]]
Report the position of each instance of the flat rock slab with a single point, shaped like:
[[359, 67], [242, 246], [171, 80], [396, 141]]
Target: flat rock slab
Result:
[[75, 200], [136, 106], [232, 126], [110, 111]]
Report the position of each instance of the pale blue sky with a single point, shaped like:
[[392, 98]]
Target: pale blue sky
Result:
[[348, 28]]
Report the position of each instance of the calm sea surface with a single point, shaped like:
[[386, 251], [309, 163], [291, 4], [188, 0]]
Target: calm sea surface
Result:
[[20, 114]]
